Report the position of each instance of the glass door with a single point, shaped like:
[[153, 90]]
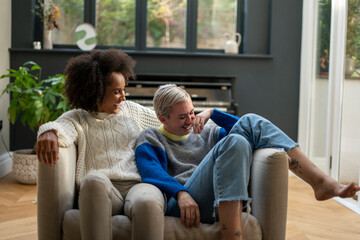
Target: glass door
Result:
[[329, 117], [349, 154], [320, 95], [314, 87], [343, 131]]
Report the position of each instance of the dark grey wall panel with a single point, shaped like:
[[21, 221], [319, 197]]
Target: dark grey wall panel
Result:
[[257, 26]]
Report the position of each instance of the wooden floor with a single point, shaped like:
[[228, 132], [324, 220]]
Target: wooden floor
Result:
[[307, 218], [17, 210]]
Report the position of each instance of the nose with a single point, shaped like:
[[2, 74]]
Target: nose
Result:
[[190, 118]]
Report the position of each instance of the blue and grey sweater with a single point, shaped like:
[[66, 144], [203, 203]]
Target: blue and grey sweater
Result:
[[167, 161]]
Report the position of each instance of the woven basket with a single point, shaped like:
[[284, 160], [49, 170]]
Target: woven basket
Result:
[[25, 166]]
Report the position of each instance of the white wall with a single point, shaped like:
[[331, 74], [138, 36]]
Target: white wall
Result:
[[5, 44], [350, 133]]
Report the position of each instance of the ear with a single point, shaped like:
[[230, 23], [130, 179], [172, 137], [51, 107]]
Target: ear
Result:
[[162, 119]]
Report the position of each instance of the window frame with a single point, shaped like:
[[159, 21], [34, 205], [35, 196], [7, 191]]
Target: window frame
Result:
[[140, 28]]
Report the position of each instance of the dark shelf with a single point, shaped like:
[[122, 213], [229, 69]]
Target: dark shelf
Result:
[[150, 52]]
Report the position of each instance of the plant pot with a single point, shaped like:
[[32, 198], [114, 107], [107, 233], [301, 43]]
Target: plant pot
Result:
[[25, 166], [349, 66]]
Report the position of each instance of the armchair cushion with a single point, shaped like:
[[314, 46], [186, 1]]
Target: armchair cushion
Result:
[[173, 228]]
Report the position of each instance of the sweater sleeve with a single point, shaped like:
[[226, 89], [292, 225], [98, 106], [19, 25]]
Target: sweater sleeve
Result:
[[224, 120], [145, 117], [65, 128], [152, 164]]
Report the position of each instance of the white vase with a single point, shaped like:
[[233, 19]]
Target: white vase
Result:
[[48, 44]]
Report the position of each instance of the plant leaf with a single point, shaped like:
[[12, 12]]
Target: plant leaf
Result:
[[12, 113]]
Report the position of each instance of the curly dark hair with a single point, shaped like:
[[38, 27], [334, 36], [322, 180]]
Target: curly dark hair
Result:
[[89, 74]]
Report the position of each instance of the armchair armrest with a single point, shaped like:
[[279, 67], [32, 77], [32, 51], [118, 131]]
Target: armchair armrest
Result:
[[55, 193], [269, 191]]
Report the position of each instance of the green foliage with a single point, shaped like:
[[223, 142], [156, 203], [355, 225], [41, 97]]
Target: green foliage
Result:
[[156, 30], [216, 18], [166, 22], [73, 8], [34, 100], [353, 30], [324, 27], [116, 22]]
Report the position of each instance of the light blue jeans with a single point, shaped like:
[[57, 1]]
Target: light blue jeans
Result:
[[223, 175]]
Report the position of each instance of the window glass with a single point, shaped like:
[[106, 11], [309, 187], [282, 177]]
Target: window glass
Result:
[[115, 22], [166, 24], [352, 65], [215, 18], [71, 15], [323, 47]]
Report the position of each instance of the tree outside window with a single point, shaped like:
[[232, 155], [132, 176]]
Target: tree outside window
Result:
[[115, 22], [215, 18], [72, 14], [166, 23]]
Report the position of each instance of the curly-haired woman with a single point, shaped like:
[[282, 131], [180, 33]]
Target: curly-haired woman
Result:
[[105, 128]]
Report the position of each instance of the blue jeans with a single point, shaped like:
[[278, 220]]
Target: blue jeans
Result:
[[223, 175]]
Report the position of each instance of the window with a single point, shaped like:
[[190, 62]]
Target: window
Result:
[[215, 18], [115, 20], [180, 25], [72, 14], [166, 23]]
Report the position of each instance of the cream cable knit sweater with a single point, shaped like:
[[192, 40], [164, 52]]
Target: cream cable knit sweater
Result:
[[106, 142]]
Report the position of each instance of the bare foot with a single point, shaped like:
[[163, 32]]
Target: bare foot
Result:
[[331, 188]]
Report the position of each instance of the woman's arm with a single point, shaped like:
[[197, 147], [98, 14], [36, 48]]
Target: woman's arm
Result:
[[224, 120], [145, 117], [152, 164], [61, 132], [47, 148]]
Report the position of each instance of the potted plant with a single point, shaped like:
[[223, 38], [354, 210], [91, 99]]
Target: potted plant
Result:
[[34, 101]]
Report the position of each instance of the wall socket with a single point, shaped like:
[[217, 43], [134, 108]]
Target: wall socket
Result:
[[0, 125]]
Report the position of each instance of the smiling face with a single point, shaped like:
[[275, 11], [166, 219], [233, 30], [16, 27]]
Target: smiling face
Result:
[[180, 118], [114, 94]]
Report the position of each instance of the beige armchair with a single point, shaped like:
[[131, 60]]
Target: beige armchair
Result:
[[58, 216]]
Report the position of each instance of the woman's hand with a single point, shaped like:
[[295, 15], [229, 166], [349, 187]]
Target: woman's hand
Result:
[[47, 148], [189, 210], [201, 119]]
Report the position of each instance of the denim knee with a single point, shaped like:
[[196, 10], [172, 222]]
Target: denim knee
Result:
[[237, 144], [261, 133], [253, 116]]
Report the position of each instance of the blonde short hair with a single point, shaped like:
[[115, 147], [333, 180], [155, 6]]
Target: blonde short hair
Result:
[[166, 96]]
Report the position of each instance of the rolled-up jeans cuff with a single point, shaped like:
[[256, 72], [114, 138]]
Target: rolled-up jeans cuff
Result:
[[241, 198]]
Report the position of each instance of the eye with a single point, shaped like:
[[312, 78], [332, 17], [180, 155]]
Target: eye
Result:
[[119, 91]]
